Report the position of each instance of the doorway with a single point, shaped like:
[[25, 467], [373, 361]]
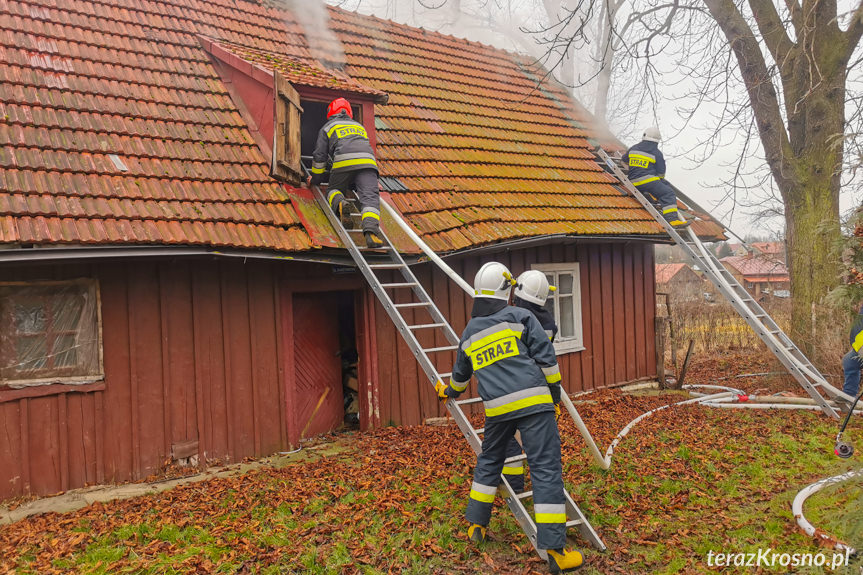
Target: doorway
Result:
[[326, 390]]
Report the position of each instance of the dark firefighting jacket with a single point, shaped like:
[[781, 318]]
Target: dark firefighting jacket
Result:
[[514, 363], [857, 333], [646, 163], [344, 143], [546, 320]]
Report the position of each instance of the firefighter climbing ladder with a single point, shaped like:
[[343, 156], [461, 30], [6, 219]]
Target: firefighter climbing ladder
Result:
[[374, 261], [776, 340]]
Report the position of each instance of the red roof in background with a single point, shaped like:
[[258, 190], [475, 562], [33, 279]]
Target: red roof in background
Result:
[[754, 267], [118, 130], [665, 272]]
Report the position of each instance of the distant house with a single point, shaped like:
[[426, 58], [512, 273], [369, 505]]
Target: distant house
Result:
[[759, 274], [680, 281], [168, 292], [771, 250]]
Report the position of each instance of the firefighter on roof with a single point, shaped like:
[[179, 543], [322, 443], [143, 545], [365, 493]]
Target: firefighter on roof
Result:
[[647, 173], [519, 382], [344, 142]]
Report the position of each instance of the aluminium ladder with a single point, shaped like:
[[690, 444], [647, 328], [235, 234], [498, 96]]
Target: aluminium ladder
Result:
[[373, 261], [771, 334]]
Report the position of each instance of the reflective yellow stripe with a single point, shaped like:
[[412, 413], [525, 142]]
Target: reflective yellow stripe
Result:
[[318, 170], [551, 517], [340, 126], [357, 162], [669, 210], [333, 194], [555, 378], [371, 215], [518, 404], [858, 341], [458, 386], [484, 497], [491, 338], [513, 470], [646, 181]]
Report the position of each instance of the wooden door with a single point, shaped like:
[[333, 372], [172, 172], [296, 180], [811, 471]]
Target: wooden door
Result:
[[318, 400]]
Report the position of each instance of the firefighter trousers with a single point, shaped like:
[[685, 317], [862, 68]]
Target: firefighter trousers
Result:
[[661, 194], [541, 443], [365, 184], [514, 472]]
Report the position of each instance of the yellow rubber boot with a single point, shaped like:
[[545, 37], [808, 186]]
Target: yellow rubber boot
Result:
[[477, 533], [562, 561]]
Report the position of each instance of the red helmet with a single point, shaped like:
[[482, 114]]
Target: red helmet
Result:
[[339, 105]]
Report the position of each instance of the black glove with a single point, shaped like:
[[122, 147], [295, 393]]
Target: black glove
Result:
[[555, 393]]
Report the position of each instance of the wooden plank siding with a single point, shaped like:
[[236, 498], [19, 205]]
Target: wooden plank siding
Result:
[[617, 295], [194, 350], [205, 350]]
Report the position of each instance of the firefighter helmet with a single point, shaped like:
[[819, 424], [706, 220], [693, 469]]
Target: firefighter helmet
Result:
[[652, 134], [492, 280], [339, 105], [533, 286]]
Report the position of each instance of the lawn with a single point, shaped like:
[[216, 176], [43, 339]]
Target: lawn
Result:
[[685, 482]]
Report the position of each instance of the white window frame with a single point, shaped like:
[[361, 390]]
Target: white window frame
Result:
[[574, 343]]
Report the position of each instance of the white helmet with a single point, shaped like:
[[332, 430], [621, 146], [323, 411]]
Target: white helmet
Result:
[[652, 134], [533, 286], [492, 280]]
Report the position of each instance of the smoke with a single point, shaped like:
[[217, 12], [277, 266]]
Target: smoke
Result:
[[314, 19]]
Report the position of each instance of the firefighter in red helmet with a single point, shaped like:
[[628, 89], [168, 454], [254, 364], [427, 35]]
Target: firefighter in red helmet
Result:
[[344, 144]]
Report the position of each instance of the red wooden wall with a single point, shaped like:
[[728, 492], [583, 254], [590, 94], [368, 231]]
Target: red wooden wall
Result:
[[218, 352], [194, 350], [617, 302]]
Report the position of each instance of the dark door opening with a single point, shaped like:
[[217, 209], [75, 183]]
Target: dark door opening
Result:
[[314, 117], [349, 355]]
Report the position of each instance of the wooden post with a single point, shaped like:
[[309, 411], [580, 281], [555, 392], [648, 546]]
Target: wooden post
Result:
[[659, 324]]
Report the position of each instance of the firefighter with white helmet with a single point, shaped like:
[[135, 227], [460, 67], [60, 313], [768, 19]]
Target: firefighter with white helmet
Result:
[[519, 382], [647, 173], [531, 292]]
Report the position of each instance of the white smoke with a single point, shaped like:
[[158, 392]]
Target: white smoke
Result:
[[314, 19]]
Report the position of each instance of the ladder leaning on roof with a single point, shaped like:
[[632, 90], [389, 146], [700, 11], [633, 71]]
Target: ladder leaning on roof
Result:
[[776, 340], [373, 261]]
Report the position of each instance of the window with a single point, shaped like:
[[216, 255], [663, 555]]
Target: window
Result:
[[565, 304], [49, 333]]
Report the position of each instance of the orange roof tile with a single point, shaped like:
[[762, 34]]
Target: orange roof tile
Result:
[[117, 129]]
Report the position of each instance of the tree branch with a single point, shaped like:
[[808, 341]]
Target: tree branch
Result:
[[762, 94], [855, 29], [796, 13], [772, 30]]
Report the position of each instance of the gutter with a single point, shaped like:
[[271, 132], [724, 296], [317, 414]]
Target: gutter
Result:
[[103, 252], [523, 243]]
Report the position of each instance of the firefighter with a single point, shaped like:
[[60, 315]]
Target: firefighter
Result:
[[647, 173], [344, 142], [851, 363], [519, 383], [531, 292]]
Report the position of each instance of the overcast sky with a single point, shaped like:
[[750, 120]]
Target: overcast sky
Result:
[[687, 167]]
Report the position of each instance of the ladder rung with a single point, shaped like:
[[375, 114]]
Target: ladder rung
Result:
[[365, 249], [412, 304], [524, 494], [573, 522], [386, 266], [480, 430], [400, 285], [468, 401], [426, 326], [444, 375], [515, 459], [444, 348]]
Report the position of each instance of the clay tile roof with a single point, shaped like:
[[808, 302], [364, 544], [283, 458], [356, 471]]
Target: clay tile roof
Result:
[[301, 69], [117, 129], [664, 272], [757, 266], [471, 150]]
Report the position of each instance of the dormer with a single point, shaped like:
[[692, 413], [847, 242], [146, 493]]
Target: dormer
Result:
[[283, 98]]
